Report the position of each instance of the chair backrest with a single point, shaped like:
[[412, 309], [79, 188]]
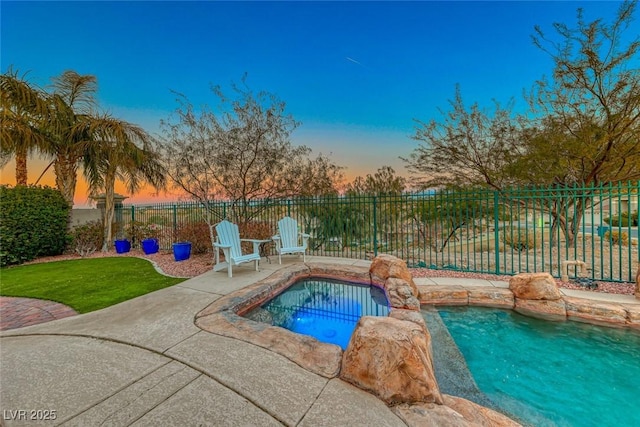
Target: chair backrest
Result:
[[228, 234], [288, 229]]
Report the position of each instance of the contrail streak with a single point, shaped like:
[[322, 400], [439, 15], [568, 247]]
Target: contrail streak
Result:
[[353, 60]]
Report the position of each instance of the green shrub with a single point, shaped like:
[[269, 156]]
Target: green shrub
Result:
[[87, 238], [623, 220], [138, 231], [197, 234], [617, 238], [519, 240], [33, 223]]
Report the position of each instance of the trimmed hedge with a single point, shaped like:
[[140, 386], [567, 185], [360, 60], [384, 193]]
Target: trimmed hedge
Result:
[[33, 223]]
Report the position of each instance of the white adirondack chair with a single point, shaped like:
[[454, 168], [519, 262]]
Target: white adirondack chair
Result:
[[289, 240], [228, 241]]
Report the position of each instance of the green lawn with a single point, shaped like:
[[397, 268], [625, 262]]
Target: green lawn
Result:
[[84, 284]]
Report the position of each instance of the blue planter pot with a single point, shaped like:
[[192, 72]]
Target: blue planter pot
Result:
[[122, 246], [150, 246], [181, 251]]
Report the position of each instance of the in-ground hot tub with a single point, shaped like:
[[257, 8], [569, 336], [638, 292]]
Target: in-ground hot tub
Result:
[[325, 309], [226, 316]]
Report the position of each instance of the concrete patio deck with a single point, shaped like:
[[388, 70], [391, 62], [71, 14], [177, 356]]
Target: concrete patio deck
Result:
[[143, 362]]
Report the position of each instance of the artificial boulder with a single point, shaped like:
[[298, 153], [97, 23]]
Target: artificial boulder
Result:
[[456, 412], [392, 359], [537, 295], [386, 266], [534, 286], [478, 415], [409, 316], [638, 283], [400, 294]]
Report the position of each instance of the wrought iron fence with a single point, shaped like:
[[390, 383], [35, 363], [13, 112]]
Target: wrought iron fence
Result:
[[497, 232]]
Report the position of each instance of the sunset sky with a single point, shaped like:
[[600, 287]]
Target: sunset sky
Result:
[[355, 74]]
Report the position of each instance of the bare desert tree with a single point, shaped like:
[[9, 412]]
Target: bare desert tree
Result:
[[589, 112], [469, 147], [588, 131], [383, 182], [241, 153]]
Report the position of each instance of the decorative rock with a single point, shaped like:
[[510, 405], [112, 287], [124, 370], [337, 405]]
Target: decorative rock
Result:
[[491, 297], [542, 309], [429, 414], [336, 271], [534, 286], [392, 359], [476, 414], [409, 316], [589, 311], [385, 266], [444, 295], [400, 294], [455, 412], [633, 315]]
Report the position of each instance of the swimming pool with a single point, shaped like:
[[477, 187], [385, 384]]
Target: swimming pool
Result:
[[328, 310], [550, 373]]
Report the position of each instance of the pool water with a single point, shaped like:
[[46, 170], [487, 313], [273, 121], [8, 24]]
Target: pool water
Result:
[[327, 310], [550, 373]]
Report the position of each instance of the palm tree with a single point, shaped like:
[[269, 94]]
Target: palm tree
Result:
[[66, 127], [22, 109], [118, 155], [70, 126], [104, 146]]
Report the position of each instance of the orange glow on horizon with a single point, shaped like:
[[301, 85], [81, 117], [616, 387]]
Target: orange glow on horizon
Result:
[[146, 195]]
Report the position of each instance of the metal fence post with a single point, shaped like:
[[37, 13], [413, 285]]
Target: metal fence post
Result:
[[496, 236], [375, 227], [175, 220]]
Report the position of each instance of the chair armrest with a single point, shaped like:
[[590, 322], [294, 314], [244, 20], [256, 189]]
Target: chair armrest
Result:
[[256, 244], [276, 237], [305, 239], [220, 245]]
